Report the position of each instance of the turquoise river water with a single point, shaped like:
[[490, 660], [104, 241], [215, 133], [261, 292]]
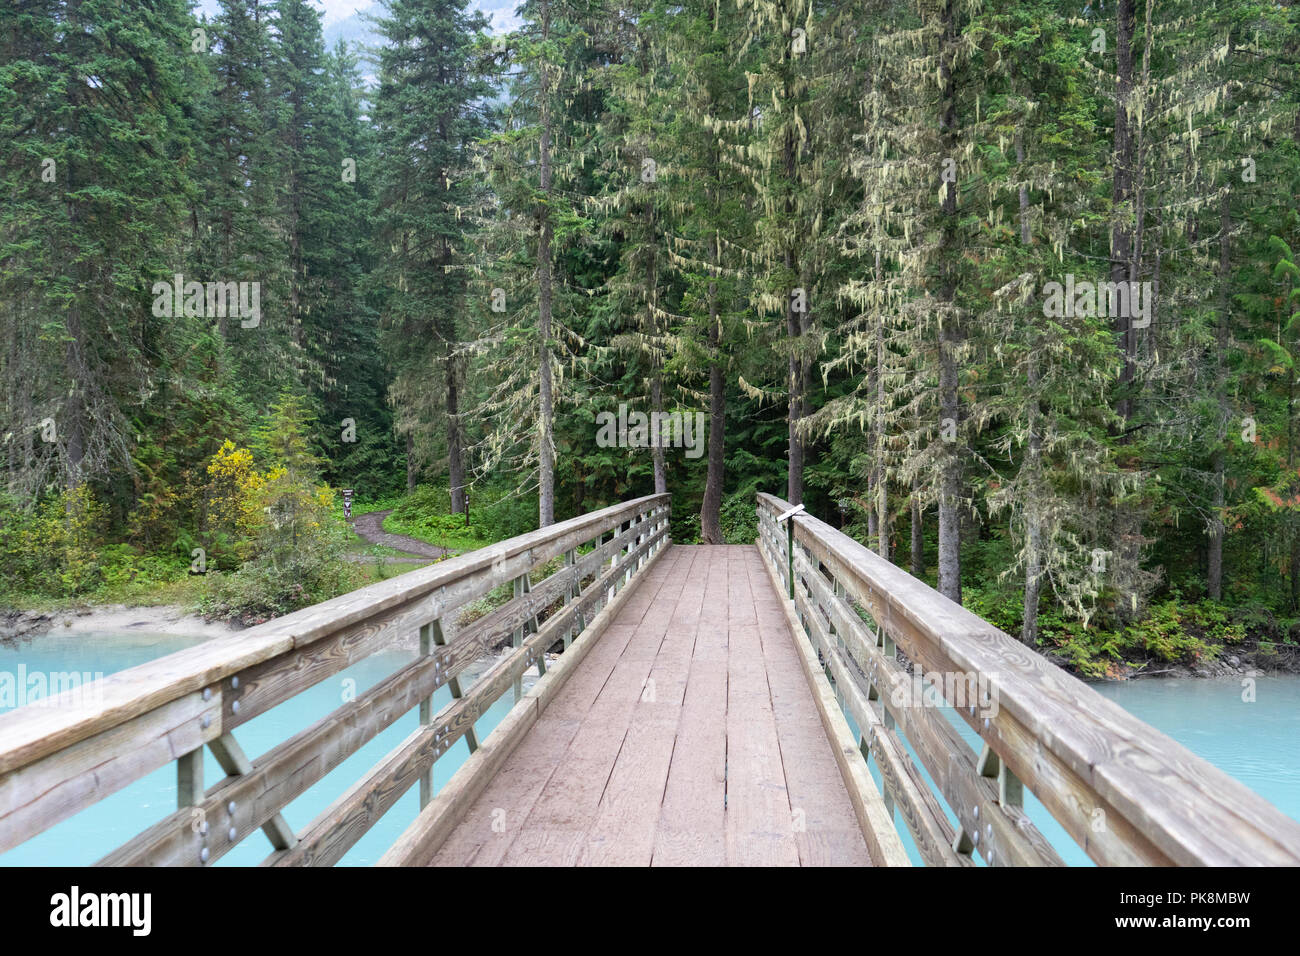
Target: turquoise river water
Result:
[[1257, 742], [84, 838]]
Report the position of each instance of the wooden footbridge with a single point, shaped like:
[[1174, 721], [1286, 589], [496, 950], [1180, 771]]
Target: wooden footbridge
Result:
[[695, 705]]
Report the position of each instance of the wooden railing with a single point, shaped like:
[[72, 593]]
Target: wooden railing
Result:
[[57, 759], [1126, 793]]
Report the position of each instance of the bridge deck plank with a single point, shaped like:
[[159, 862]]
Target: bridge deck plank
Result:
[[489, 829], [688, 736], [823, 815]]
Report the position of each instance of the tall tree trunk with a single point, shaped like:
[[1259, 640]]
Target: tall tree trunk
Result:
[[880, 501], [873, 472], [949, 336], [1033, 520], [950, 484], [794, 455], [710, 511], [652, 324], [1123, 267], [70, 432], [546, 412], [1025, 233], [12, 391], [410, 462], [73, 424], [455, 441], [656, 442], [1033, 458], [918, 538], [1290, 463], [1214, 575], [1295, 572], [1121, 195], [794, 327], [1214, 571]]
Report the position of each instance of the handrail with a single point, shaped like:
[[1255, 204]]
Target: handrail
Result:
[[61, 757], [1126, 793]]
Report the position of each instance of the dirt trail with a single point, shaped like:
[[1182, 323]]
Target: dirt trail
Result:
[[371, 527]]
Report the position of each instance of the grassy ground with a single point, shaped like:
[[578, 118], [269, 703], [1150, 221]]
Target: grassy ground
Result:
[[452, 540], [358, 545], [383, 570], [415, 518], [185, 592]]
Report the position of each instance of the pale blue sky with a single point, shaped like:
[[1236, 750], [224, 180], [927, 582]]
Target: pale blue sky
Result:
[[501, 11]]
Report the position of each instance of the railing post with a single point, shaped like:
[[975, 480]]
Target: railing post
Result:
[[570, 559], [426, 716], [189, 793], [189, 779], [517, 639], [535, 626], [789, 553], [432, 636], [613, 562], [887, 717], [633, 523], [642, 521], [1011, 792]]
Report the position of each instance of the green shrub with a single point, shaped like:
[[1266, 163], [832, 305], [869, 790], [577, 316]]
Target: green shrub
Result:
[[1003, 608], [1171, 632], [494, 515], [52, 550], [278, 582], [1259, 621], [1092, 652], [738, 518]]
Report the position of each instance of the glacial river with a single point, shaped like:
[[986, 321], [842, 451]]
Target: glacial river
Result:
[[101, 828], [1257, 742]]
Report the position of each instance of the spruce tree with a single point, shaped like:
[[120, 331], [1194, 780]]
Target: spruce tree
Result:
[[429, 111]]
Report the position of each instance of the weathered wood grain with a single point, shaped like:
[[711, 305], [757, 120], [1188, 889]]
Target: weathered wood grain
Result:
[[691, 829], [337, 828], [53, 788], [874, 821], [419, 843], [29, 733], [1077, 751], [636, 772], [944, 754]]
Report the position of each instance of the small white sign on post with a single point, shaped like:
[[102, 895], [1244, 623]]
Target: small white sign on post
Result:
[[789, 514], [347, 502]]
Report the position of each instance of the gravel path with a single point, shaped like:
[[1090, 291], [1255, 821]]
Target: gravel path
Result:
[[371, 527]]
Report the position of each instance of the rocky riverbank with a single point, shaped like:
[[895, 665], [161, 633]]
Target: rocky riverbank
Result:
[[18, 626], [161, 619], [1245, 659], [1239, 660]]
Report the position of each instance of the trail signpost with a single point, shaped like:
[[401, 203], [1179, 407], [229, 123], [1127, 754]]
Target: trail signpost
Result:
[[789, 540]]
